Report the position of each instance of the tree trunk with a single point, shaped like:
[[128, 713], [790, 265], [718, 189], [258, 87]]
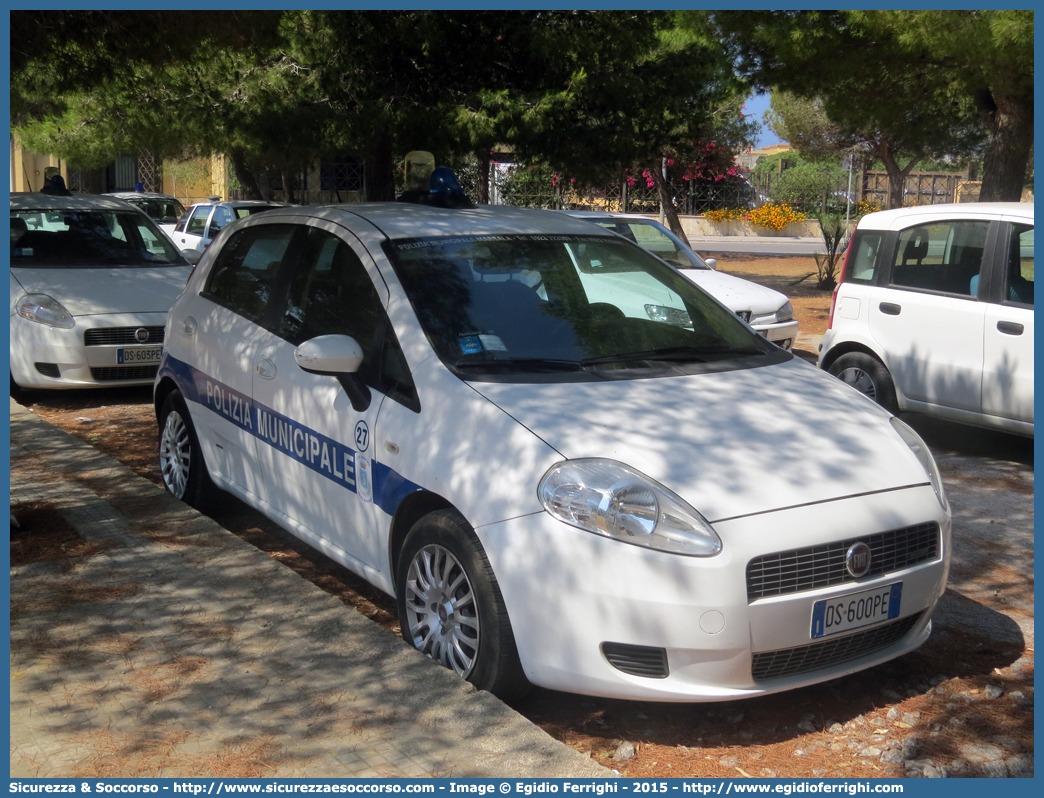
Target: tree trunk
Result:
[[288, 185], [896, 174], [669, 211], [379, 170], [1011, 137], [245, 176], [482, 181]]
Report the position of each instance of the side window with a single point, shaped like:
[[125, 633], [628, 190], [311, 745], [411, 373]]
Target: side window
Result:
[[331, 294], [861, 266], [246, 267], [1019, 283], [198, 221], [221, 217], [944, 257]]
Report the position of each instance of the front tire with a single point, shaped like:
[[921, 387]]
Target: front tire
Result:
[[451, 608], [181, 460], [869, 376]]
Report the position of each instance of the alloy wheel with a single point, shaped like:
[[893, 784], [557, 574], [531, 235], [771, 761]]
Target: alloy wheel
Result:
[[441, 610]]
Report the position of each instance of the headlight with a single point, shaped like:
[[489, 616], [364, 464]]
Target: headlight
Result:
[[669, 315], [785, 313], [612, 500], [920, 449], [45, 309]]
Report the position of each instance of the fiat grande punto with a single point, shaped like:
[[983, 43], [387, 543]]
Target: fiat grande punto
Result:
[[558, 487]]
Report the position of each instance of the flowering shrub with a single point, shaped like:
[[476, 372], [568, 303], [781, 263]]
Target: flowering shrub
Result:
[[726, 214], [867, 205], [775, 216]]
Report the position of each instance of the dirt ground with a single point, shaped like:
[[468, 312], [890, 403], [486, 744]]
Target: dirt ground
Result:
[[936, 704]]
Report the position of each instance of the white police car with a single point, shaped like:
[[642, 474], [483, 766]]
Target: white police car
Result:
[[557, 492]]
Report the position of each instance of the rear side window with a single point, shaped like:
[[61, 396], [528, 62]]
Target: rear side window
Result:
[[1019, 281], [221, 217], [862, 258], [246, 267], [942, 257]]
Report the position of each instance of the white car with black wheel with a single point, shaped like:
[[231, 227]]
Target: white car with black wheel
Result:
[[442, 399], [91, 279], [766, 310], [934, 313]]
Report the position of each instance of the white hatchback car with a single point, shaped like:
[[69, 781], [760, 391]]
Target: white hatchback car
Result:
[[767, 311], [556, 492], [163, 209], [934, 313], [92, 279], [196, 229]]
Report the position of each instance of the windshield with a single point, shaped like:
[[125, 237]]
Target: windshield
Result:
[[84, 239], [163, 211], [579, 307], [656, 239]]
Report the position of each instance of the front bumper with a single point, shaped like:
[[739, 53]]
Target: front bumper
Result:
[[54, 358], [783, 333], [568, 592]]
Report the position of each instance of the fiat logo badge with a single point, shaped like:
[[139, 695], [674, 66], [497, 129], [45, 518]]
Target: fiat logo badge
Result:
[[857, 560], [141, 335]]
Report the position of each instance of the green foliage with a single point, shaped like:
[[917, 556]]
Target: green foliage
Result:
[[908, 84], [285, 88]]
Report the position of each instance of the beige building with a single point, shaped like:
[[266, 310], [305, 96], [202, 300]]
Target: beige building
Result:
[[190, 180]]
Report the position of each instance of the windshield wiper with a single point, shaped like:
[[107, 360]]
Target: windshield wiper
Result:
[[674, 353], [521, 364]]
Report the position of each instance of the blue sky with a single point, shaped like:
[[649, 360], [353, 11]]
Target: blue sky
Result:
[[756, 107]]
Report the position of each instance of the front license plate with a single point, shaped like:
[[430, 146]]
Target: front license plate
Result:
[[831, 616], [149, 355]]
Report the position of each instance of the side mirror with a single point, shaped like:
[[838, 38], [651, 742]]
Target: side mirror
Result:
[[711, 262], [336, 356]]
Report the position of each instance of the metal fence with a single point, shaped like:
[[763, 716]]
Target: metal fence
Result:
[[825, 192]]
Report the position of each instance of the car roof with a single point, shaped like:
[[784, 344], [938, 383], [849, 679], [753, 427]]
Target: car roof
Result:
[[242, 203], [409, 220], [900, 217], [131, 195], [33, 201]]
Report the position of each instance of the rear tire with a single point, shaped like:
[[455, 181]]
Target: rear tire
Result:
[[869, 376], [451, 608], [181, 460]]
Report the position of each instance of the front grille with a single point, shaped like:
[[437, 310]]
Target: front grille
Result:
[[121, 336], [110, 373], [48, 369], [821, 566], [637, 660], [791, 661]]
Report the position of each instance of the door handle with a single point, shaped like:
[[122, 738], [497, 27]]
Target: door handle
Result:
[[1010, 327], [266, 369], [890, 308]]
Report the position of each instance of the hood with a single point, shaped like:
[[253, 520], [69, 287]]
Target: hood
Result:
[[736, 293], [730, 443], [88, 292]]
